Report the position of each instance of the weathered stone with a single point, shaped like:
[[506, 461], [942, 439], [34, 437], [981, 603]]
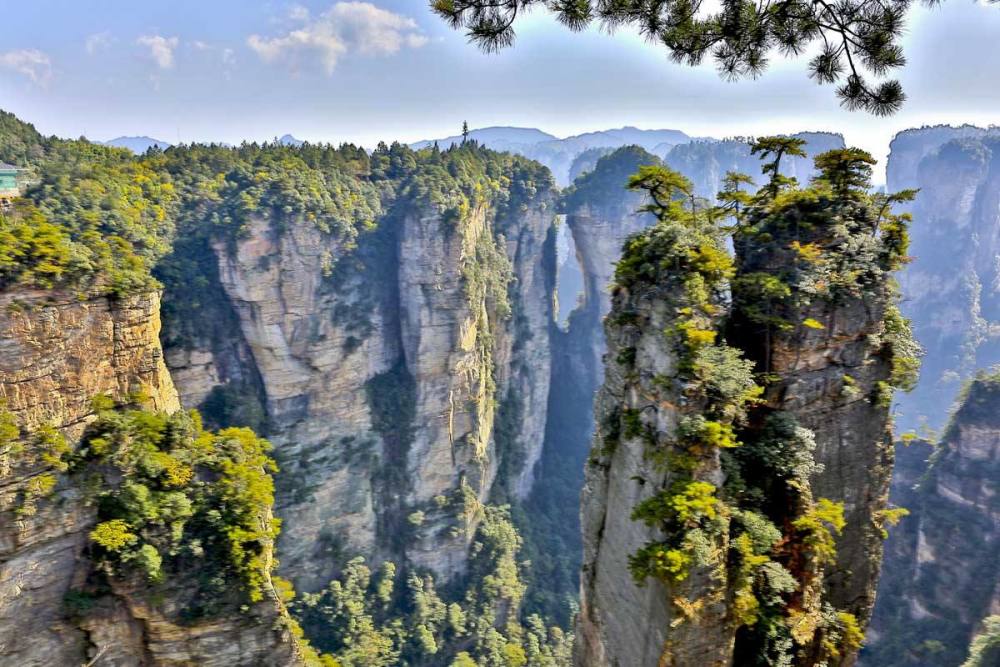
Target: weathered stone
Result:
[[57, 352]]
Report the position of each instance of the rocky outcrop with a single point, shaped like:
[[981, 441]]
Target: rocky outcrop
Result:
[[125, 629], [623, 621], [601, 213], [57, 352], [383, 370], [831, 377], [312, 368], [755, 512], [942, 573]]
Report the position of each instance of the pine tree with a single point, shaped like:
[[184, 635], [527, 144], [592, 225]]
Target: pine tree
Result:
[[858, 39]]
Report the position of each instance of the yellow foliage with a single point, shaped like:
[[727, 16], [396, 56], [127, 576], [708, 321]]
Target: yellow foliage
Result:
[[42, 485], [809, 252], [697, 499], [113, 535], [817, 523], [802, 625]]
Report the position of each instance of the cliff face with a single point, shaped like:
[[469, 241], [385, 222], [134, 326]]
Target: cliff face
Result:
[[601, 213], [950, 290], [57, 352], [828, 377], [942, 571], [622, 621], [755, 511], [383, 370]]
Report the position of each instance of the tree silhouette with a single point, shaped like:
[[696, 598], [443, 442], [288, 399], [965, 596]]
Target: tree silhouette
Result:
[[859, 38]]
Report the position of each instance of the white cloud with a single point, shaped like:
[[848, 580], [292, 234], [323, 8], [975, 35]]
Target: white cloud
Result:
[[32, 63], [226, 55], [347, 27], [161, 49], [298, 13], [97, 42]]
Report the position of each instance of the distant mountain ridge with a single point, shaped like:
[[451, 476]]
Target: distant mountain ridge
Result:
[[289, 140], [559, 154], [568, 157], [137, 145]]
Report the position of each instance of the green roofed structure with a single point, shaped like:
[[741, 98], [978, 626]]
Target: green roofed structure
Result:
[[8, 179]]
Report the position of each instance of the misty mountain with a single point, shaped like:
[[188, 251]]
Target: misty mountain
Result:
[[497, 138], [559, 154], [289, 140], [137, 145]]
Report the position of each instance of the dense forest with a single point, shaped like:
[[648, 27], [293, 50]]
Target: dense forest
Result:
[[96, 220]]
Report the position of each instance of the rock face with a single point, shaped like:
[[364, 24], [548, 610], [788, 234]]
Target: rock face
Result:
[[601, 214], [384, 371], [828, 379], [705, 163], [942, 575], [125, 630], [621, 622], [711, 504], [57, 352], [951, 288]]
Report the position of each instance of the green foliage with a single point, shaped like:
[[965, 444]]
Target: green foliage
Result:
[[902, 348], [763, 294], [847, 171], [101, 218], [692, 501], [610, 174], [9, 430], [699, 432], [465, 177], [985, 648], [842, 634], [169, 493], [11, 445], [96, 216], [113, 535], [819, 524], [777, 148], [720, 374], [398, 617], [20, 142], [659, 562]]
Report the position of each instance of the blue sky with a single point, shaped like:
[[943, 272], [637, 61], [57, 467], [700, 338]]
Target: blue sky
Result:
[[193, 70]]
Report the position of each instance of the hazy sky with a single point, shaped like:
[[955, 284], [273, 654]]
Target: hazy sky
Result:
[[197, 70]]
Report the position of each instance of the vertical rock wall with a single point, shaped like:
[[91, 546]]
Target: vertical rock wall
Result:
[[951, 288], [57, 352], [325, 326], [942, 571]]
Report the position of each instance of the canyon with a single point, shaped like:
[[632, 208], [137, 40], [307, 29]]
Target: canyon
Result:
[[406, 362]]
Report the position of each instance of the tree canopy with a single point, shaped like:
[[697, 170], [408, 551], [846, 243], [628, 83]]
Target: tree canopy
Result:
[[859, 39]]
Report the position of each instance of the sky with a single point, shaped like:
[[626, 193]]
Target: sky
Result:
[[327, 70]]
